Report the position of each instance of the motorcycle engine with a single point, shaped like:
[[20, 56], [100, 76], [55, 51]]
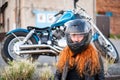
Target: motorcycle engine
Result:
[[59, 36]]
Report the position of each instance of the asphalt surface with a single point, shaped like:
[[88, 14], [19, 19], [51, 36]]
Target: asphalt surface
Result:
[[116, 43]]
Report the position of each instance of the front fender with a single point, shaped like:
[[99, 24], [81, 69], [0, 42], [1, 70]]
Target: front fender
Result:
[[17, 30], [22, 30]]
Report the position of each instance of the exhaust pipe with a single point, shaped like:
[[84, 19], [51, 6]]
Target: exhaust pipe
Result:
[[43, 49], [38, 46], [42, 52]]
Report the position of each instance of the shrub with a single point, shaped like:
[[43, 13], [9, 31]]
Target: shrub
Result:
[[115, 36], [18, 71], [25, 70], [107, 63], [46, 73]]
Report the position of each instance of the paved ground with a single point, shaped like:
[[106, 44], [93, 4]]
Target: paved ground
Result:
[[116, 43], [114, 69], [2, 63]]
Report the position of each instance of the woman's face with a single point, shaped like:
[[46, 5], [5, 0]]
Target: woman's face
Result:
[[76, 37]]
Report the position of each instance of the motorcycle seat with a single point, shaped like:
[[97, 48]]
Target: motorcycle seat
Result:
[[32, 27]]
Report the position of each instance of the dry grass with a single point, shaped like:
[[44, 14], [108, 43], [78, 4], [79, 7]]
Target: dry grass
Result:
[[18, 71], [25, 70], [107, 63]]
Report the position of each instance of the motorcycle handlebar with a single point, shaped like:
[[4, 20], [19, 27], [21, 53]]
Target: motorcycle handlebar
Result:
[[60, 12]]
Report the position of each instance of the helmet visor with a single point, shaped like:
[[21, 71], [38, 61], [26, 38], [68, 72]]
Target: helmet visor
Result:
[[76, 37]]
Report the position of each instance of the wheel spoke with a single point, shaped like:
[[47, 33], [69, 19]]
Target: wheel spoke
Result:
[[13, 48]]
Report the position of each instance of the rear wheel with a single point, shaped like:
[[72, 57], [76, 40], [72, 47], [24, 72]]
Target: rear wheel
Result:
[[108, 50], [10, 50]]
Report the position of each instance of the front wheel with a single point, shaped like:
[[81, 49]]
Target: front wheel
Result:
[[108, 50], [11, 49]]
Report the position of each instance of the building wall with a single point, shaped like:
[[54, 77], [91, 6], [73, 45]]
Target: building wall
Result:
[[10, 16], [2, 2], [3, 5], [113, 6], [19, 12]]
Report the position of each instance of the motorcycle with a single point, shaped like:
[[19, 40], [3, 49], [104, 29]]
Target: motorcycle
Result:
[[32, 42]]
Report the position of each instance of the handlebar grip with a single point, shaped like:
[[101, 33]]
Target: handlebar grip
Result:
[[60, 12]]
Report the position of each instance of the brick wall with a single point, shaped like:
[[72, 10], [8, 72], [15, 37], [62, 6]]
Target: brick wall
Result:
[[115, 25], [113, 6]]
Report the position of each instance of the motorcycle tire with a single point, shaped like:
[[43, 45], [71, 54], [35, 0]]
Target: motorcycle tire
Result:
[[104, 52], [8, 53]]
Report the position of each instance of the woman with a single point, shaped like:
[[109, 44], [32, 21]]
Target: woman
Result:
[[84, 63]]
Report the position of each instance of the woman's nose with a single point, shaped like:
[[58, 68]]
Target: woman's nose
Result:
[[77, 38]]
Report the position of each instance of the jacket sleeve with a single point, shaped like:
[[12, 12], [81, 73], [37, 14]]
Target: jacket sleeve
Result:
[[57, 75], [60, 63], [100, 75]]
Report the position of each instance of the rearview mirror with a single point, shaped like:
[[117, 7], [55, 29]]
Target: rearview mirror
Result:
[[75, 1]]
